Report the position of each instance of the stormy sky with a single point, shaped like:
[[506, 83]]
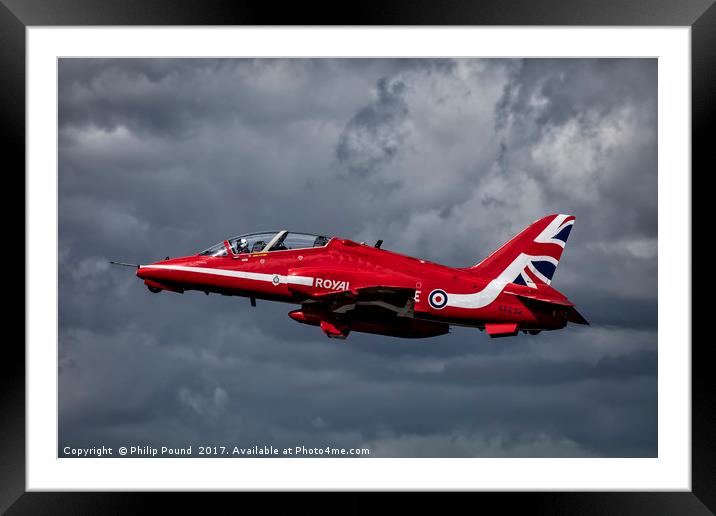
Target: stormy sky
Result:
[[442, 159]]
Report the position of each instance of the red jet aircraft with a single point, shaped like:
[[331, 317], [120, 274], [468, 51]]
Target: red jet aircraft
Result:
[[344, 286]]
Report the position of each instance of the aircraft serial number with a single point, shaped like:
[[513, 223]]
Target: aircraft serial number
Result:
[[509, 309]]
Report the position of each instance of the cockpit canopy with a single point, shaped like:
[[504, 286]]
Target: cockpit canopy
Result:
[[267, 241]]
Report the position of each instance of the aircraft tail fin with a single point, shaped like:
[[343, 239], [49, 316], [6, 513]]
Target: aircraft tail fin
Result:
[[531, 257]]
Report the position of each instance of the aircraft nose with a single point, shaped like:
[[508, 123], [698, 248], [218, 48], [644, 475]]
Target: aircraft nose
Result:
[[157, 280], [147, 273]]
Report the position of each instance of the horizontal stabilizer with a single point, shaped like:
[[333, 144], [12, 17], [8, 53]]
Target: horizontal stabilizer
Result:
[[573, 315], [537, 296]]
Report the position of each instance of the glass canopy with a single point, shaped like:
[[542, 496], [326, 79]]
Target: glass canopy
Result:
[[266, 242]]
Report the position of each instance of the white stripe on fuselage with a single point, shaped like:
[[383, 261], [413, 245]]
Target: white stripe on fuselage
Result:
[[493, 288], [257, 276], [475, 300]]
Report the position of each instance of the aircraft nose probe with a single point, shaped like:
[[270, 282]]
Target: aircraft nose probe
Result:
[[129, 264], [151, 285], [125, 264]]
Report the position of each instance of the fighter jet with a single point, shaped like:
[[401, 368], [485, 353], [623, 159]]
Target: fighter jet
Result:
[[344, 286]]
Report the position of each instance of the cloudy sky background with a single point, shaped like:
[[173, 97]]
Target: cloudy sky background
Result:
[[443, 159]]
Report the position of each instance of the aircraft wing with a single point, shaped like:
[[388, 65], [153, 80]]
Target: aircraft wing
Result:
[[381, 294], [396, 299], [366, 292]]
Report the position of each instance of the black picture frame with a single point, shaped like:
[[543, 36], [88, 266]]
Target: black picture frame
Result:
[[17, 15]]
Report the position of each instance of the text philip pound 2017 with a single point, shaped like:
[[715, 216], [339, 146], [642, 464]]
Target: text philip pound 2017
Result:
[[213, 451]]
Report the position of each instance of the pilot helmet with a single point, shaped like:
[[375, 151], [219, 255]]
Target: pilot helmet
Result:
[[243, 243]]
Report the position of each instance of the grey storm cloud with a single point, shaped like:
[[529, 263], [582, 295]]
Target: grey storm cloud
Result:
[[377, 131], [442, 159]]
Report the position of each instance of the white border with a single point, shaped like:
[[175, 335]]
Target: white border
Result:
[[670, 471]]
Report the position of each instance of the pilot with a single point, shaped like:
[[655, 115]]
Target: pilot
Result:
[[242, 246]]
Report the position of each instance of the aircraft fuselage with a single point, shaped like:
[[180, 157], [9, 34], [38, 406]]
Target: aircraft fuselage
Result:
[[345, 286]]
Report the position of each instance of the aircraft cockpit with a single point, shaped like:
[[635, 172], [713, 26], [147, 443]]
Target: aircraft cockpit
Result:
[[266, 242]]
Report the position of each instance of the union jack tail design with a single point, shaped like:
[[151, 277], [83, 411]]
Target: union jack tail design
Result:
[[531, 257]]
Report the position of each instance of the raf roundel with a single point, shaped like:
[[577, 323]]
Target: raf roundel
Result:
[[438, 299]]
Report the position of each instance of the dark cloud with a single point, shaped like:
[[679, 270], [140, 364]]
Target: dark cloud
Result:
[[374, 135], [443, 159]]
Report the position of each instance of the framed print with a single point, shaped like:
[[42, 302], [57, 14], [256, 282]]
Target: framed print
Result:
[[377, 173]]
